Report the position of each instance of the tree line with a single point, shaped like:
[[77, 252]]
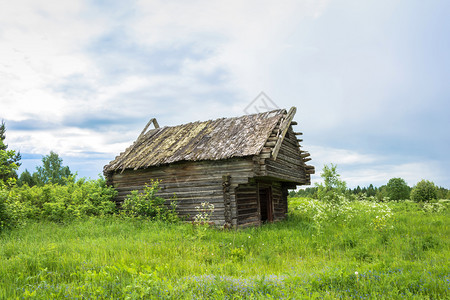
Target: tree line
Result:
[[52, 169], [395, 189]]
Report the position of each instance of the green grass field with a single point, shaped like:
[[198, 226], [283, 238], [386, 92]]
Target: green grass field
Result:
[[359, 249]]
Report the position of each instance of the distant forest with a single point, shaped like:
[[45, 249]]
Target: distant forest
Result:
[[378, 192]]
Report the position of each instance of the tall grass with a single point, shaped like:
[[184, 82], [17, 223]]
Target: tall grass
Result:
[[359, 249]]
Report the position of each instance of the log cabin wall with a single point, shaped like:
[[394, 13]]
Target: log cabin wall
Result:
[[192, 183], [247, 204], [284, 197], [289, 164], [279, 202], [279, 197]]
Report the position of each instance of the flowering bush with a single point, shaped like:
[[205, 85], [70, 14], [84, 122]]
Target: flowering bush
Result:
[[205, 210], [202, 218], [373, 214], [434, 207]]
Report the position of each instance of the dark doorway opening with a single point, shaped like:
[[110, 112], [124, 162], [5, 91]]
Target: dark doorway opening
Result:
[[265, 200]]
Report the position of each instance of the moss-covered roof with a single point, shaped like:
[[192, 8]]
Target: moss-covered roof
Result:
[[208, 140]]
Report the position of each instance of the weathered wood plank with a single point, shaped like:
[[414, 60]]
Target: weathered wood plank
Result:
[[284, 127]]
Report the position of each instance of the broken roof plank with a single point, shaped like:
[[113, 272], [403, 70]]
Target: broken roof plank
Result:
[[285, 124]]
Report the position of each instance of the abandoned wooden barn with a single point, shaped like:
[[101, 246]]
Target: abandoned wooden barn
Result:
[[243, 165]]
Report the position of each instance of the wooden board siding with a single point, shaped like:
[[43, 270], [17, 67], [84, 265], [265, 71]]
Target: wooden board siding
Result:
[[247, 204], [289, 164], [276, 200], [191, 182], [280, 204]]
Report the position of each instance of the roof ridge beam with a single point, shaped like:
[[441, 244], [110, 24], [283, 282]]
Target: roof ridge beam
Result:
[[155, 123]]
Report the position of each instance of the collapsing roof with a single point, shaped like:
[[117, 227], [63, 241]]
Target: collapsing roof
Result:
[[208, 140]]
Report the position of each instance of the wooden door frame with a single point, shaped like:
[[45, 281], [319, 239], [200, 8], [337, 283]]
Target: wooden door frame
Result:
[[269, 204]]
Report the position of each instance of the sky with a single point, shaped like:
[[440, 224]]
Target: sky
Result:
[[370, 79]]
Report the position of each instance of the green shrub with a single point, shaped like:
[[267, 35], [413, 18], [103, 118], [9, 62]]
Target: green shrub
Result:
[[57, 203], [397, 189], [148, 205], [237, 254], [424, 191], [5, 218], [333, 188]]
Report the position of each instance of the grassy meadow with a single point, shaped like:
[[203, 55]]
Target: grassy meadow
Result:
[[356, 249]]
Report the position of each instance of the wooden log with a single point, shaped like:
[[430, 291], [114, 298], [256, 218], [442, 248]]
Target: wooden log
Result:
[[290, 141], [305, 154], [265, 155], [284, 127], [293, 162], [280, 171], [310, 169], [298, 133], [290, 151], [227, 199]]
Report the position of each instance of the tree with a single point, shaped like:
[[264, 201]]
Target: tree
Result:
[[2, 136], [332, 179], [333, 186], [397, 189], [371, 191], [308, 192], [442, 193], [26, 178], [424, 191], [364, 190], [52, 170], [9, 159]]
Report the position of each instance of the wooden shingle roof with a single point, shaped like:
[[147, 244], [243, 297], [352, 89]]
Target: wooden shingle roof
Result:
[[208, 140]]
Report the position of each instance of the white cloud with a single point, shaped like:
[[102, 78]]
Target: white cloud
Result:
[[411, 172], [66, 64], [246, 37], [363, 169], [326, 155], [44, 51], [41, 44]]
